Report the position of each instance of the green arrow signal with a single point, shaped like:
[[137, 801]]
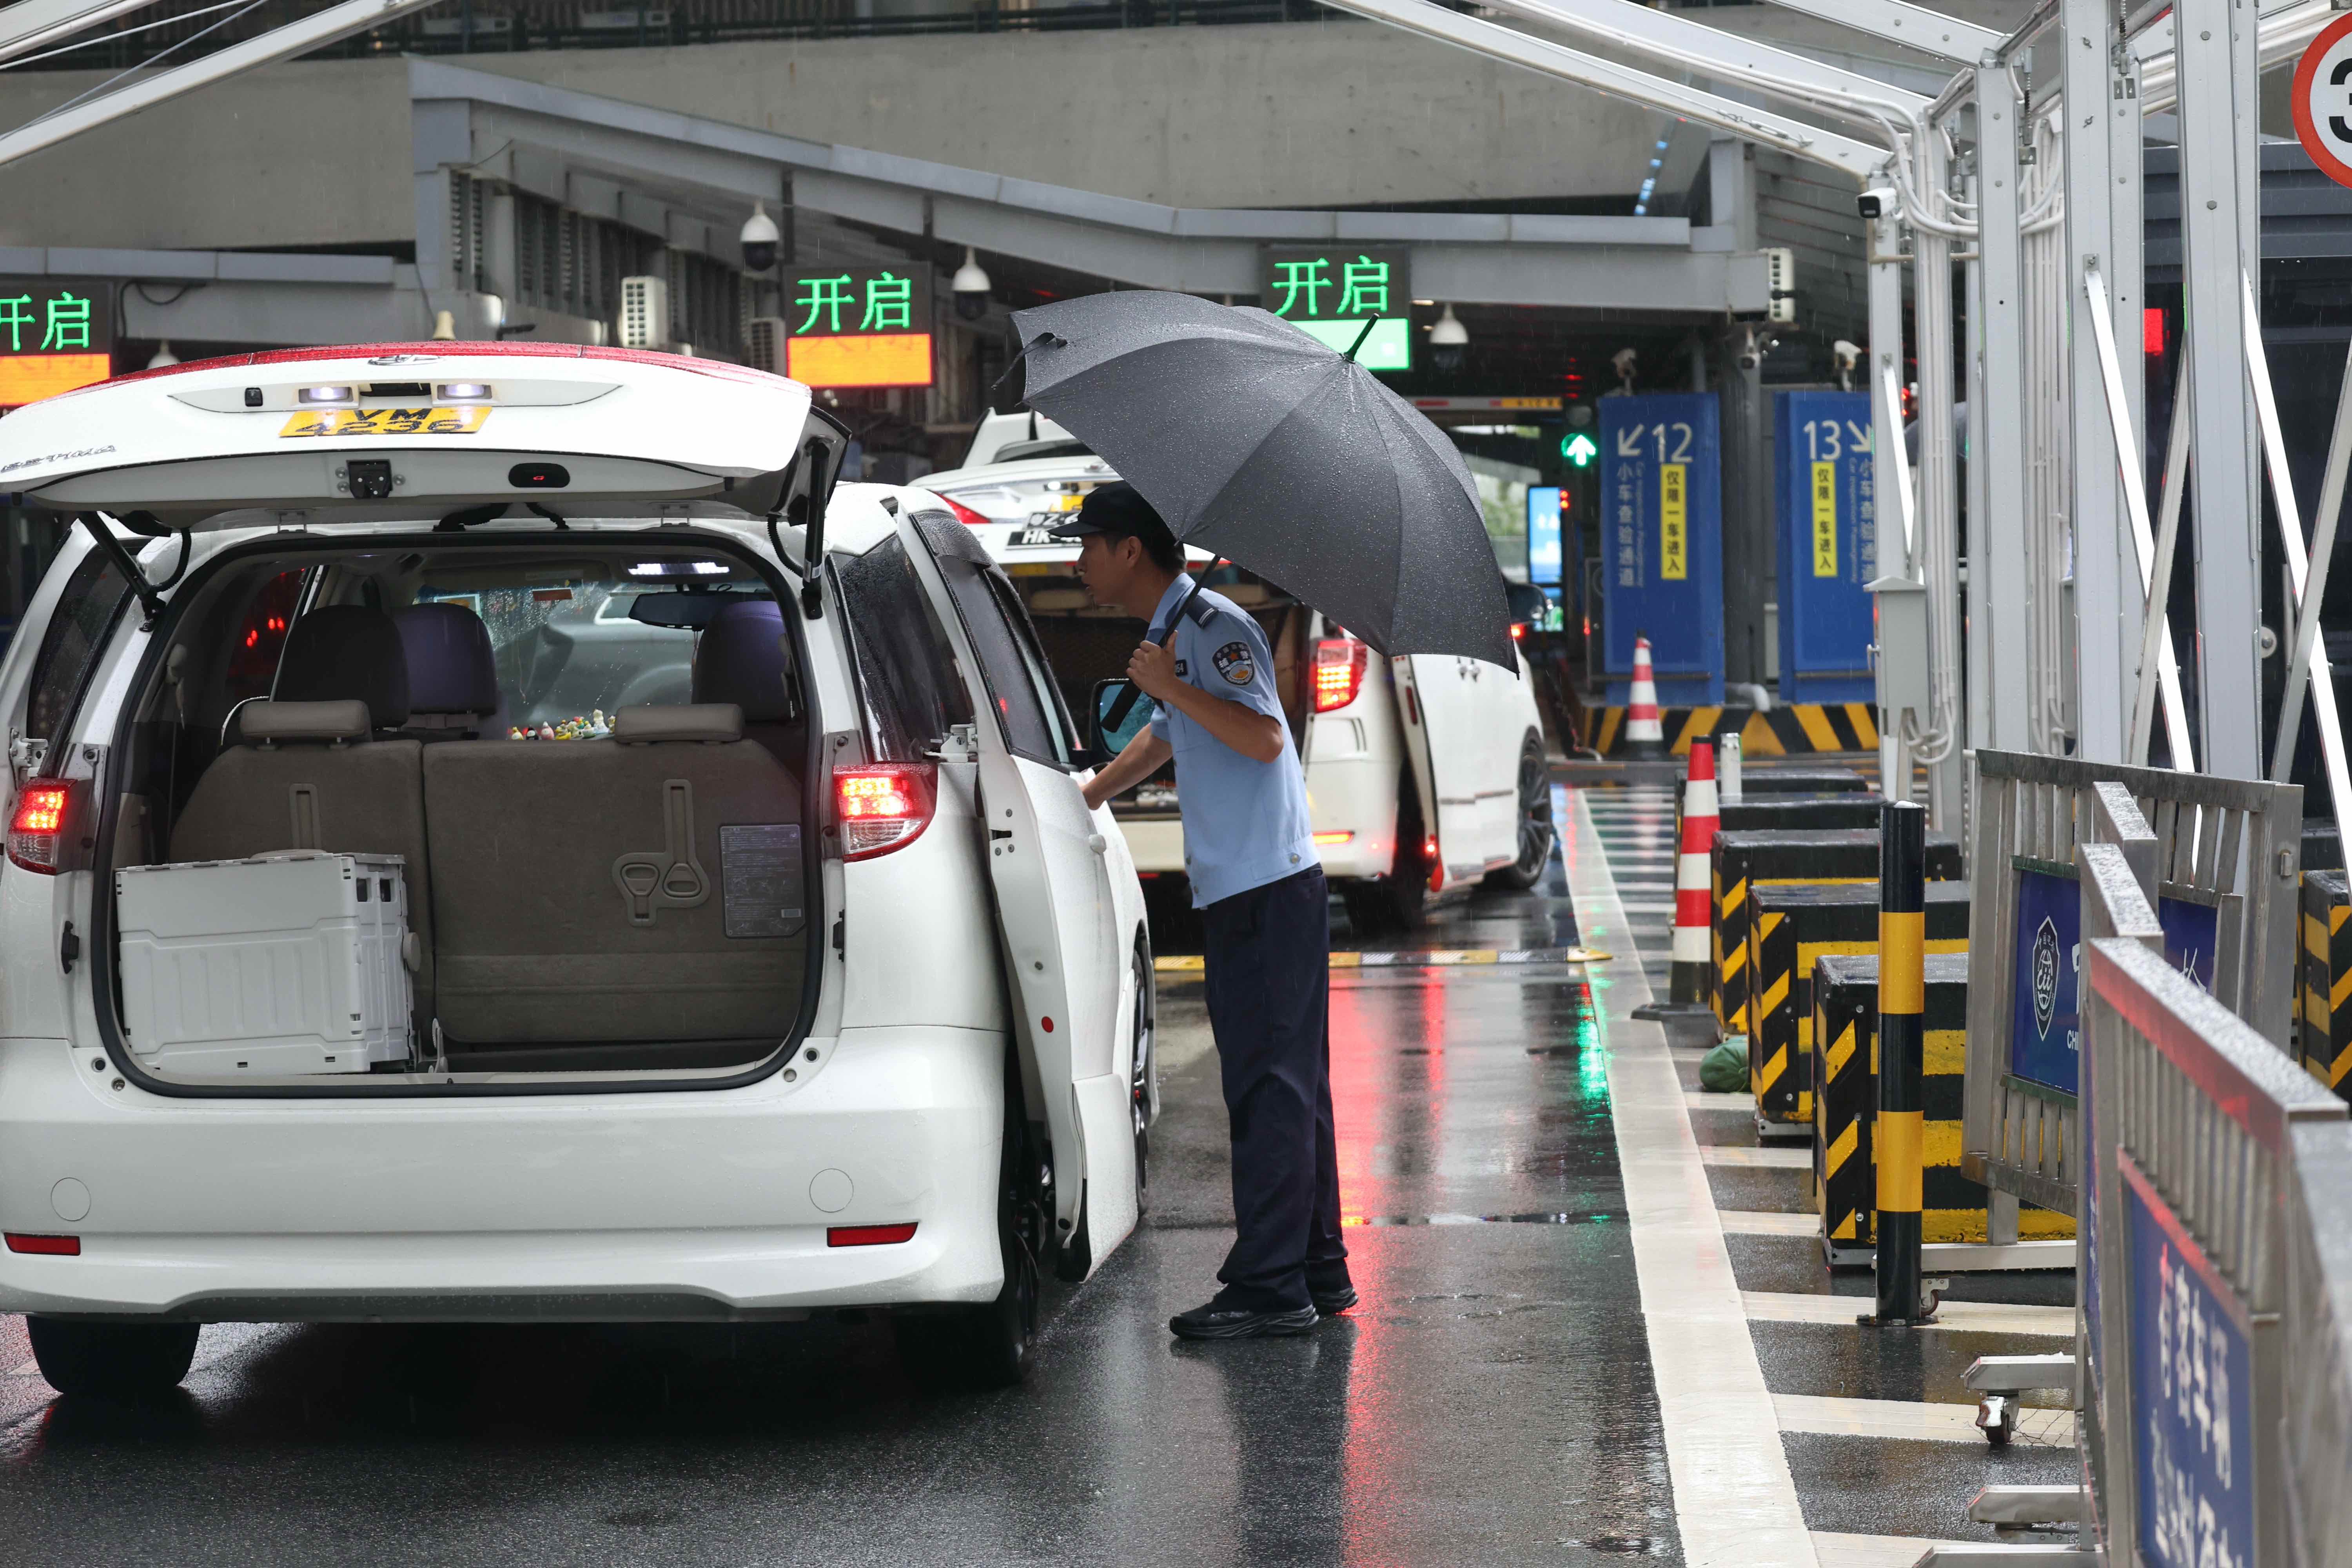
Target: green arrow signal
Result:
[[1579, 449]]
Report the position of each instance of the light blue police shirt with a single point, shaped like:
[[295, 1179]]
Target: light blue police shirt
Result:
[[1245, 821]]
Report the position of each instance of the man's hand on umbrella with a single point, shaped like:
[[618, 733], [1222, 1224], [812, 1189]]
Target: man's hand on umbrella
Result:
[[1153, 669]]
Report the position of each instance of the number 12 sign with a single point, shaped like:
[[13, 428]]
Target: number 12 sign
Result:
[[1661, 541], [2322, 100]]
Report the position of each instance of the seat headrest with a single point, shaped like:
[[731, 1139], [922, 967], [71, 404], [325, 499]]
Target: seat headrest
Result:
[[452, 668], [678, 722], [264, 722], [740, 659], [344, 653]]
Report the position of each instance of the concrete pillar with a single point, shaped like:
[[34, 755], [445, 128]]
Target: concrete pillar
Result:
[[1749, 543]]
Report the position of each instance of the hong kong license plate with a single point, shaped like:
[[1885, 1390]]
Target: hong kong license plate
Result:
[[1032, 537], [386, 422]]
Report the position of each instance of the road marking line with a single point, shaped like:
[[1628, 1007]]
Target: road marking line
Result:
[[1191, 962], [1914, 1422], [1751, 1157], [1953, 1317], [1769, 1222], [1737, 1504]]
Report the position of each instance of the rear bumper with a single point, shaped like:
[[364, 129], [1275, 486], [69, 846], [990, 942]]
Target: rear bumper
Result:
[[676, 1205]]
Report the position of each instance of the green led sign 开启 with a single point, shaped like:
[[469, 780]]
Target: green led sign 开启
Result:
[[1330, 294]]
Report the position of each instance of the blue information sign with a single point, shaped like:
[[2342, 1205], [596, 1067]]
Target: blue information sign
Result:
[[2046, 1032], [1543, 535], [1662, 542], [2191, 933], [1829, 544], [2191, 1396]]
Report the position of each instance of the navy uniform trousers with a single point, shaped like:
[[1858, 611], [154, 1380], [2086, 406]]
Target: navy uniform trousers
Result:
[[1267, 974]]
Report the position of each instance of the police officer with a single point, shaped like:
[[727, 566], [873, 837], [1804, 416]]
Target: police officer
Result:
[[1249, 850]]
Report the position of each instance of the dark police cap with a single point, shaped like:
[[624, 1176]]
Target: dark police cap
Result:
[[1120, 512]]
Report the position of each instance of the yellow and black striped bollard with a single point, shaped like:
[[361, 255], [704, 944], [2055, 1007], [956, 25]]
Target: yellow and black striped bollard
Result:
[[1899, 1139]]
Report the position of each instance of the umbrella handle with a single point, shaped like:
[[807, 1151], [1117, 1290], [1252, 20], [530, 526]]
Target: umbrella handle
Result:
[[1124, 703], [1051, 340]]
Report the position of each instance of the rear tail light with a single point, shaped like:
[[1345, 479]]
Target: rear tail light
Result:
[[1339, 836], [38, 826], [1339, 664], [1518, 630], [870, 1235], [964, 514], [51, 1245], [881, 808]]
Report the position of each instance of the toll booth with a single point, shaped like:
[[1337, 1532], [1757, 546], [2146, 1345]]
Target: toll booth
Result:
[[1661, 544], [1827, 503]]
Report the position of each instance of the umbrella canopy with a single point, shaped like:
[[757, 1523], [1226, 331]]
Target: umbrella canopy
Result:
[[1256, 441]]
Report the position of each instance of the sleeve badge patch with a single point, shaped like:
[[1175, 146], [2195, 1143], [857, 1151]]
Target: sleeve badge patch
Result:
[[1234, 663]]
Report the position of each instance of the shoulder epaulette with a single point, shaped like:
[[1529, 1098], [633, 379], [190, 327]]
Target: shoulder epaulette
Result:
[[1199, 611]]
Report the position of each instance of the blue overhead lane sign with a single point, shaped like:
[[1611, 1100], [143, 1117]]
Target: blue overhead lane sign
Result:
[[1662, 543]]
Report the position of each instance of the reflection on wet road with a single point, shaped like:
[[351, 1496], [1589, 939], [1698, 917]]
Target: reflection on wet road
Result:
[[1490, 1402]]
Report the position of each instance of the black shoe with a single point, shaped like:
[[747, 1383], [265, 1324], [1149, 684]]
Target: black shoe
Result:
[[1331, 1303], [1212, 1320]]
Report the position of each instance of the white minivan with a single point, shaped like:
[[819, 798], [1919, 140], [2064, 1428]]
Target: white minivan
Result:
[[1425, 773], [464, 864]]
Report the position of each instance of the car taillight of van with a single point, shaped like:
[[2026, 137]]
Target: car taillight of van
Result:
[[44, 814], [880, 808], [1339, 664]]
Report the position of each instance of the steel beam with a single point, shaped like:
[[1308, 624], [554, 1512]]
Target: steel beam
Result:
[[1852, 158], [2106, 616], [2219, 199], [2001, 615], [30, 24], [278, 43], [1899, 22], [1731, 58], [1938, 493], [1897, 542]]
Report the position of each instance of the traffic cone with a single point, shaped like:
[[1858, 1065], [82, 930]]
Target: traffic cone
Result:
[[1693, 967], [1645, 740]]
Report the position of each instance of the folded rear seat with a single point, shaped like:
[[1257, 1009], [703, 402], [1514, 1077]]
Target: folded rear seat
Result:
[[306, 773], [582, 888]]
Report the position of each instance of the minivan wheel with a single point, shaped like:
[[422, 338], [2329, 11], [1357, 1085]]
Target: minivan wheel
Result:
[[1398, 902], [1537, 832], [988, 1346], [112, 1361], [1139, 1087]]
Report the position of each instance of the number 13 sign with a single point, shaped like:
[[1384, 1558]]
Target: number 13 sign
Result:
[[2322, 100]]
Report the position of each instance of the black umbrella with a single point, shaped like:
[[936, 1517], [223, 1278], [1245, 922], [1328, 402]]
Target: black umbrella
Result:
[[1256, 441]]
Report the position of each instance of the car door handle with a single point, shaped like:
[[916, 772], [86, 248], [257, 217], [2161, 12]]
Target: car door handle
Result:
[[1098, 844]]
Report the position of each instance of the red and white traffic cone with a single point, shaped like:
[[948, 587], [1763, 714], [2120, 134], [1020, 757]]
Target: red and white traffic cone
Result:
[[1645, 740], [1692, 965]]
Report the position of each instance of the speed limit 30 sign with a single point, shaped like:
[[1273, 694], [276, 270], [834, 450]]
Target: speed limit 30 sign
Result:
[[2322, 100]]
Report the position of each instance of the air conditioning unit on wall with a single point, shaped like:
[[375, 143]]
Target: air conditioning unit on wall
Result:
[[763, 343], [644, 312]]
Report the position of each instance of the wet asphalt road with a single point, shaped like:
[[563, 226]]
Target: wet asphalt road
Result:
[[1490, 1402]]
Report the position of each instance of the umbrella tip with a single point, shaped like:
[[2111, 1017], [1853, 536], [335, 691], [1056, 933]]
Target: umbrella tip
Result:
[[1370, 322]]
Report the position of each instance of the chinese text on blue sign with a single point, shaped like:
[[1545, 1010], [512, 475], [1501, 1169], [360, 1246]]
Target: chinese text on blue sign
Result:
[[1829, 543]]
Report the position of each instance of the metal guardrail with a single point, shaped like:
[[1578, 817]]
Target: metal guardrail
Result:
[[2216, 1282], [2215, 861]]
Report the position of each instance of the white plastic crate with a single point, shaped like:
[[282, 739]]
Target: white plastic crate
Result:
[[293, 962]]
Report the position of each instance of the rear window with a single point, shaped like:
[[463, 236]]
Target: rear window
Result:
[[94, 596], [914, 688]]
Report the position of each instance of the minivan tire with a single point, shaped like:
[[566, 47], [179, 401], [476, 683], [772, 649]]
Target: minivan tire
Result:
[[121, 1361], [987, 1346], [1538, 833]]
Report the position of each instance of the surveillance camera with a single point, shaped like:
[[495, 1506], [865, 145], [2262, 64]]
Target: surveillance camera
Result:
[[970, 286], [1623, 360], [762, 240], [1880, 201], [1847, 354]]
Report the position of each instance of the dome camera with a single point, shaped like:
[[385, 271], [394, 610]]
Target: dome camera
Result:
[[970, 286], [762, 240], [1449, 342]]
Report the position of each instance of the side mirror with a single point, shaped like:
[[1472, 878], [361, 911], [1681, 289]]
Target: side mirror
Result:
[[1117, 715]]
